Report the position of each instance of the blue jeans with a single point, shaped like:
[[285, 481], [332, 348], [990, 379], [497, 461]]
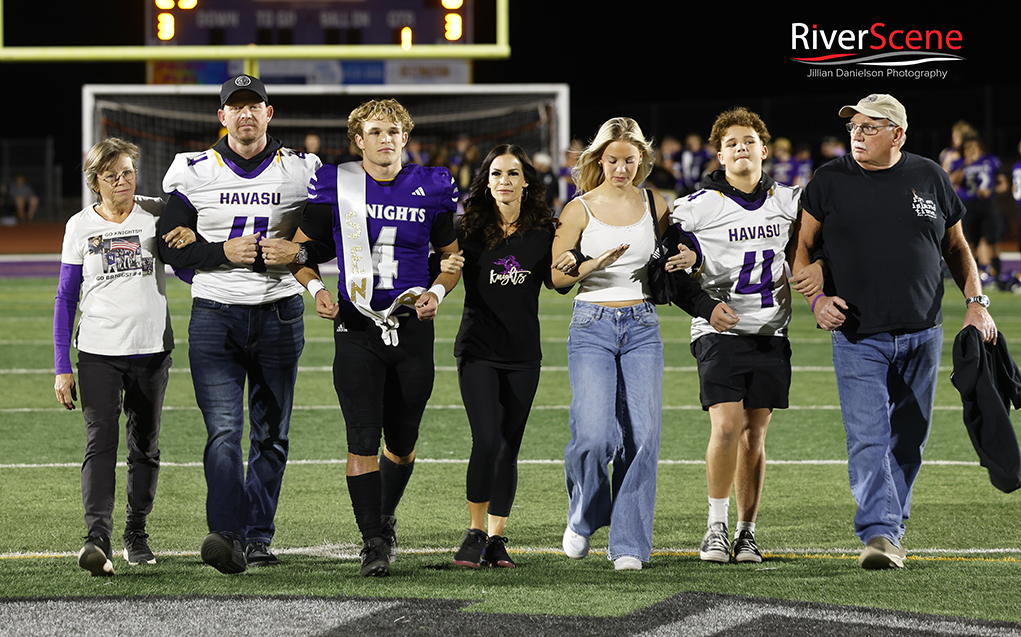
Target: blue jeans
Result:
[[615, 361], [887, 386], [229, 344]]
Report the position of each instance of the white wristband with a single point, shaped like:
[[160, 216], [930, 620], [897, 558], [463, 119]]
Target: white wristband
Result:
[[314, 286], [439, 291]]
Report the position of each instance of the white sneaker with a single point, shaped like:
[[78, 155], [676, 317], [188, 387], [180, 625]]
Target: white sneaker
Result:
[[627, 563], [575, 546]]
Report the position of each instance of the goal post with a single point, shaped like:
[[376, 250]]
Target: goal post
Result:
[[164, 120]]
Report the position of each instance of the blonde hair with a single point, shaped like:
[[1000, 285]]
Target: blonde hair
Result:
[[387, 110], [102, 155], [588, 173]]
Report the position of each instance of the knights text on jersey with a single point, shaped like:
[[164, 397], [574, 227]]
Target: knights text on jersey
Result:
[[400, 218], [743, 255], [233, 203]]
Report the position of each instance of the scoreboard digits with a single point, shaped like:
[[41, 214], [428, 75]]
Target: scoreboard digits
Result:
[[235, 22]]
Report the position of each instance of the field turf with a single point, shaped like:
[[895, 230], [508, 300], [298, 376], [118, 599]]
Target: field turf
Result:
[[963, 538]]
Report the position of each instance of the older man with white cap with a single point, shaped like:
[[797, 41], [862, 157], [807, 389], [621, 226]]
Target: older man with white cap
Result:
[[884, 219]]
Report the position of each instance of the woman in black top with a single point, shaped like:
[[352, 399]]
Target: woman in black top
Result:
[[506, 235]]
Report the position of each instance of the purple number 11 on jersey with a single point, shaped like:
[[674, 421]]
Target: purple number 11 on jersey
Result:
[[260, 225]]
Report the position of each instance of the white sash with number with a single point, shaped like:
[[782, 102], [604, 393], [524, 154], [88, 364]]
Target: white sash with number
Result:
[[358, 271]]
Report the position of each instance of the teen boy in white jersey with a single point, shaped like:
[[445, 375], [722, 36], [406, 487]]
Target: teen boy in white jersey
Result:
[[244, 198], [741, 222]]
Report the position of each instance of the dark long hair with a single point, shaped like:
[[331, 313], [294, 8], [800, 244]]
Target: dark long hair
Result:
[[480, 213]]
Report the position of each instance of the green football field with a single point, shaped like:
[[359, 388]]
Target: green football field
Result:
[[963, 539]]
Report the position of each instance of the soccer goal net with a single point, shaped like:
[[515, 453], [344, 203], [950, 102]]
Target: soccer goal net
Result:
[[450, 120]]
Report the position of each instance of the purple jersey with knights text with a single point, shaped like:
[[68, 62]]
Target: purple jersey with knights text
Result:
[[400, 215]]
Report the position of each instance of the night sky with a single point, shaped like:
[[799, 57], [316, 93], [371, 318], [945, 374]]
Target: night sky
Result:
[[673, 70]]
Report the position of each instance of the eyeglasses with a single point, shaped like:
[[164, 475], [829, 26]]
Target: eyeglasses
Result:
[[128, 176], [866, 129]]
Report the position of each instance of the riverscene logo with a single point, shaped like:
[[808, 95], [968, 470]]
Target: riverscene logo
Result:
[[880, 51]]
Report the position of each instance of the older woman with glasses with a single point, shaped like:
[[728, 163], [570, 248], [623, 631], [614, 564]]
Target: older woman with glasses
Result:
[[110, 260]]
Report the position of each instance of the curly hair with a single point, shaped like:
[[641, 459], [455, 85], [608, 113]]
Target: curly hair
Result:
[[739, 116], [101, 156], [480, 213], [588, 173], [387, 110]]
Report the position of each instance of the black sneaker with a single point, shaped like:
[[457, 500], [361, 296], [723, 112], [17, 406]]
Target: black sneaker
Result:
[[390, 534], [224, 553], [745, 549], [716, 544], [95, 557], [495, 553], [376, 558], [470, 553], [136, 548], [258, 554]]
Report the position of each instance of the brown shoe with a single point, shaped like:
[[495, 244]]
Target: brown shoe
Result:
[[880, 553]]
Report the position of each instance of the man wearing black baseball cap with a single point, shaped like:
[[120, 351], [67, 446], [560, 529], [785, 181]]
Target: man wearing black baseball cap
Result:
[[244, 196], [242, 83]]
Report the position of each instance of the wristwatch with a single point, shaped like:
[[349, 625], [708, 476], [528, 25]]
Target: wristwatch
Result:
[[981, 299], [302, 257]]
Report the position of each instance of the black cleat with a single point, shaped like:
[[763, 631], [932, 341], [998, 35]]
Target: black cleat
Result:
[[375, 558]]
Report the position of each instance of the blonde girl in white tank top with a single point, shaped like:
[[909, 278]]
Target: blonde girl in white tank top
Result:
[[615, 355]]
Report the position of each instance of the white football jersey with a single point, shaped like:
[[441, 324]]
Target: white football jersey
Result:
[[743, 255], [233, 203]]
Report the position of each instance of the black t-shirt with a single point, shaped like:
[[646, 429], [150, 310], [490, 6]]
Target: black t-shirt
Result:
[[882, 232], [500, 324]]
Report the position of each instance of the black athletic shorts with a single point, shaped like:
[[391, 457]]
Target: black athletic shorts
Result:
[[983, 221], [383, 389], [753, 369]]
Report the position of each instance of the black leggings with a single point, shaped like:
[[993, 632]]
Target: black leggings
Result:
[[497, 402]]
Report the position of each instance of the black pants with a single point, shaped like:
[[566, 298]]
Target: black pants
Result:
[[108, 385], [382, 389], [497, 402]]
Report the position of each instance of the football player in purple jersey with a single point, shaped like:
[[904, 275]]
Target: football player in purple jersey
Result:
[[378, 217], [974, 175]]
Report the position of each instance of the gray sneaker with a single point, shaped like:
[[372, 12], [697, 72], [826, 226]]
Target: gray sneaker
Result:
[[716, 544], [879, 553], [745, 549]]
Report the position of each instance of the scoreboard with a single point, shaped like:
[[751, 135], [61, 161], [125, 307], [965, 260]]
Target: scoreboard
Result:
[[308, 22]]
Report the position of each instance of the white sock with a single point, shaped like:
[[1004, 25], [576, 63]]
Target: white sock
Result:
[[718, 509], [744, 526]]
